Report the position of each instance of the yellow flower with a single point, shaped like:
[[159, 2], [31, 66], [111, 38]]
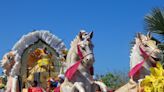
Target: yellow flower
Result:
[[155, 81], [147, 89]]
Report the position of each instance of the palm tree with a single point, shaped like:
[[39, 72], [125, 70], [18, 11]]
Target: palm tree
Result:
[[154, 23]]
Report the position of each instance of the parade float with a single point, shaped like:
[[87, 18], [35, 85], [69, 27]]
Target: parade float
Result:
[[39, 57]]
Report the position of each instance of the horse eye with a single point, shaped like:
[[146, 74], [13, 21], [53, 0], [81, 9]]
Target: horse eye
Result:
[[146, 45], [83, 48], [9, 57]]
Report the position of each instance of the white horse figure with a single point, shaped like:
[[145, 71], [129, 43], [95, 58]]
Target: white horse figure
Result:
[[144, 45], [82, 79], [144, 54], [7, 63]]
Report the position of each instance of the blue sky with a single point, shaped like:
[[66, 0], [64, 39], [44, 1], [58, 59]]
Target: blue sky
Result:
[[114, 22]]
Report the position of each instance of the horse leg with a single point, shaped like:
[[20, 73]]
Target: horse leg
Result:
[[79, 86], [15, 86], [101, 85], [66, 86]]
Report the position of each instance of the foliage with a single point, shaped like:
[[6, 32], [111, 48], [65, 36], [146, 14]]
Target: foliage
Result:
[[114, 80], [155, 22]]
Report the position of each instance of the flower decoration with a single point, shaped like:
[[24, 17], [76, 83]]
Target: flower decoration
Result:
[[155, 81]]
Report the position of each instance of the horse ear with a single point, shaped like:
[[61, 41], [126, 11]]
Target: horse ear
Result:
[[14, 52], [139, 36], [149, 35], [80, 36], [91, 35]]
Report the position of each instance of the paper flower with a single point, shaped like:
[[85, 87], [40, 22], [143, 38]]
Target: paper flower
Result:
[[155, 81]]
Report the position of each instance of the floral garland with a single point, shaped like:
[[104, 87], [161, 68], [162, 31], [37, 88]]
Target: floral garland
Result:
[[155, 81]]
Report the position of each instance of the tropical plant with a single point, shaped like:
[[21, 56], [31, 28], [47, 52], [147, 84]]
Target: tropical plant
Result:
[[154, 22], [114, 80]]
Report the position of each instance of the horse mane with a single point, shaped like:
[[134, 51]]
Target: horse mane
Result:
[[75, 41], [135, 56]]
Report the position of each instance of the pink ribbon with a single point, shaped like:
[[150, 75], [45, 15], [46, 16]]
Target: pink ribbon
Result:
[[136, 68], [145, 55], [79, 52], [72, 70]]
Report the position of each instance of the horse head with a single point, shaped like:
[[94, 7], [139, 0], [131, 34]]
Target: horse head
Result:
[[8, 61], [85, 46], [144, 55], [149, 45]]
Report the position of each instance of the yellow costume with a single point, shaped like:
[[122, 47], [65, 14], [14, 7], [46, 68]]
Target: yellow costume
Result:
[[43, 66]]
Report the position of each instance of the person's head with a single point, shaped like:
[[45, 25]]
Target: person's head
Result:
[[61, 78]]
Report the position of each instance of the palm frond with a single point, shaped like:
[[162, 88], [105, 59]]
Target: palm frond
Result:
[[155, 21]]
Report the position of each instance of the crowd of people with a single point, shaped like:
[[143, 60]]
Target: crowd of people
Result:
[[52, 85]]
